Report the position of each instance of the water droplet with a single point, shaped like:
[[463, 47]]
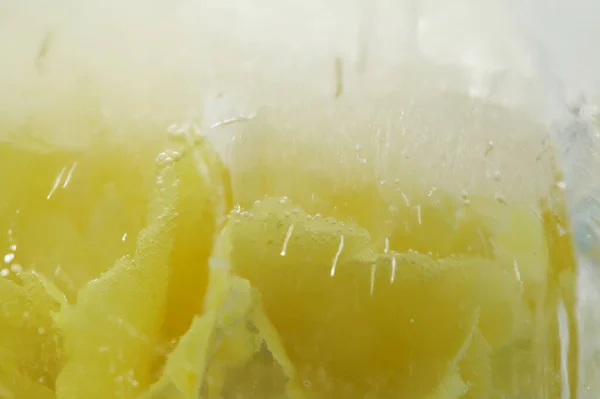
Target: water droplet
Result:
[[69, 175], [405, 199], [419, 213], [489, 147], [4, 272], [561, 230], [500, 198], [464, 195], [287, 239], [285, 200], [359, 155], [177, 133], [9, 257], [561, 185], [41, 330], [13, 247], [163, 159], [124, 237], [337, 256], [386, 249], [373, 271], [433, 189], [56, 182], [393, 277], [412, 321], [176, 156], [497, 176], [16, 268]]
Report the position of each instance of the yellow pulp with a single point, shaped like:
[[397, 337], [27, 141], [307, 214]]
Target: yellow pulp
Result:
[[124, 278]]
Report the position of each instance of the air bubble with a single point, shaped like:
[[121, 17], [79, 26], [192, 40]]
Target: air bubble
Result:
[[176, 156], [497, 176], [465, 197], [489, 148], [177, 133]]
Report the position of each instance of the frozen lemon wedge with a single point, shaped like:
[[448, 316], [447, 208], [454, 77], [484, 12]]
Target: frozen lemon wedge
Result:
[[125, 321], [30, 346], [355, 322]]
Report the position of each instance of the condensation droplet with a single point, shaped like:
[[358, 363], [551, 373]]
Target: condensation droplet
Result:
[[4, 272], [177, 133], [9, 257], [337, 256], [359, 155], [497, 176], [489, 147], [56, 182], [406, 200], [373, 271], [500, 198], [16, 268], [69, 175], [287, 240]]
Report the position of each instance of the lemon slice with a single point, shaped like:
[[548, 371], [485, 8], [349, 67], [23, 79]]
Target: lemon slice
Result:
[[351, 319]]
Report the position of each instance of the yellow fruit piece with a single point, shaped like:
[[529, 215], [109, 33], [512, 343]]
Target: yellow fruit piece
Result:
[[475, 368], [66, 207], [319, 279], [451, 387], [204, 199], [166, 278], [30, 353], [112, 332], [16, 385], [217, 341]]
